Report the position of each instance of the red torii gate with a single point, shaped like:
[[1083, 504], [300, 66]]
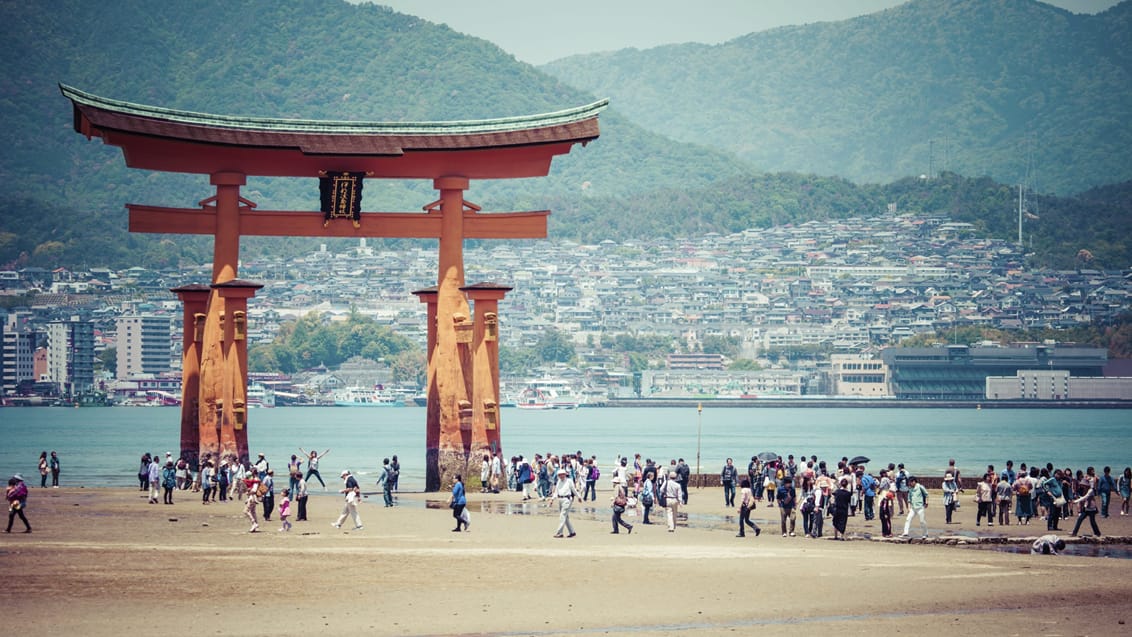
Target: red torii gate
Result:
[[463, 358]]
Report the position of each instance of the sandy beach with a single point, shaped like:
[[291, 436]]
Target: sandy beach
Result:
[[104, 562]]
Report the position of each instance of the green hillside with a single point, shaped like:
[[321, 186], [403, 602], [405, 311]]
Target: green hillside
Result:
[[1015, 89], [63, 195]]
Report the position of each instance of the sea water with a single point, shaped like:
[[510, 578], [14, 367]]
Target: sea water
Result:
[[103, 446]]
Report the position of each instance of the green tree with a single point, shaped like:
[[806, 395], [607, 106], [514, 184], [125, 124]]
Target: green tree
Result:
[[554, 347], [107, 361]]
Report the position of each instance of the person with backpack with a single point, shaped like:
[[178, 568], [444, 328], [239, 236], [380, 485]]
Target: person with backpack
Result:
[[902, 488], [17, 496], [386, 482], [168, 482], [592, 475], [787, 498], [917, 506]]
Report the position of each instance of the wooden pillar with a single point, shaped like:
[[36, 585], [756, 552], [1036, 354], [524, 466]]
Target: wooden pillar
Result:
[[194, 299], [225, 260], [233, 436], [447, 372], [432, 408], [486, 423]]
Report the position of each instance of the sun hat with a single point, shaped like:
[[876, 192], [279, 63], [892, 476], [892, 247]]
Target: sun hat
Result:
[[948, 476], [563, 472], [345, 472]]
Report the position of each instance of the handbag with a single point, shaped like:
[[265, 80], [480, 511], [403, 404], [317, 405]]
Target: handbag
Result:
[[1059, 501]]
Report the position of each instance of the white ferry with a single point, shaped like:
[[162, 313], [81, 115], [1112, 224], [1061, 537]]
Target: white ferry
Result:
[[260, 395], [362, 397], [548, 393]]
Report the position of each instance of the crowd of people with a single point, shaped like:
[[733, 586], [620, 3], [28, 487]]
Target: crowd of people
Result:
[[814, 490], [810, 488]]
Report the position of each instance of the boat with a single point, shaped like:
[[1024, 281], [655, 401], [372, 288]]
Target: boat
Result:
[[363, 397], [548, 393], [259, 395]]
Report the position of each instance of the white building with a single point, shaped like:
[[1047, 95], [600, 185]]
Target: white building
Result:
[[143, 345], [1057, 385]]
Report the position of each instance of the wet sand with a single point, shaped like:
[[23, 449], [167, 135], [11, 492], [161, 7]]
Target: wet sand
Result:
[[104, 562]]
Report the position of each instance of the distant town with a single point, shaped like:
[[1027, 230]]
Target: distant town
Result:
[[845, 293]]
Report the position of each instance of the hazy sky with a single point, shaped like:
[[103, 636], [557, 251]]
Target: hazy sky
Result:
[[538, 31]]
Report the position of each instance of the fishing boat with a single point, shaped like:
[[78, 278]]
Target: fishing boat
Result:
[[363, 397], [548, 393]]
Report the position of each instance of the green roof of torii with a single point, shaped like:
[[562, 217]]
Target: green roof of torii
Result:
[[338, 127], [171, 140]]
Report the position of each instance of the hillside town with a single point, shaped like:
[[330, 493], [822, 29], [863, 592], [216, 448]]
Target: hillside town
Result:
[[842, 293]]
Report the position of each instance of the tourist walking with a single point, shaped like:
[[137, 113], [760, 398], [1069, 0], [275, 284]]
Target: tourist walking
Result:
[[868, 486], [917, 506], [1004, 493], [672, 494], [887, 497], [350, 506], [143, 473], [207, 481], [620, 500], [301, 501], [17, 497], [313, 459], [54, 466], [285, 511], [727, 477], [1087, 503], [395, 472], [386, 482], [839, 508], [746, 504], [168, 482], [485, 474], [269, 496], [787, 499], [648, 495], [1051, 498], [1023, 488], [901, 481], [459, 504], [950, 496], [683, 474], [294, 472], [984, 495], [44, 469], [154, 477], [565, 492], [1106, 484], [589, 492], [251, 504], [1124, 486]]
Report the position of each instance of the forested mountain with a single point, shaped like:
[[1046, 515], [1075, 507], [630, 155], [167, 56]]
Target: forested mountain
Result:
[[1015, 89], [61, 196]]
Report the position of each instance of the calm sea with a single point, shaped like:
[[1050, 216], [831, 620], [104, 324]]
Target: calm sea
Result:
[[102, 446]]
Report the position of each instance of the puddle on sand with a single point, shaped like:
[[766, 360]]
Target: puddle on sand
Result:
[[1117, 551]]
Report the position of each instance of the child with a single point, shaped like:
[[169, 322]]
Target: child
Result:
[[285, 510]]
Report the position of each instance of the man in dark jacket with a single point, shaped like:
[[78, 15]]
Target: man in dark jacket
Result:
[[683, 473]]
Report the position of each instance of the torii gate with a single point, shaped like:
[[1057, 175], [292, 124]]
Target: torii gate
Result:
[[463, 382]]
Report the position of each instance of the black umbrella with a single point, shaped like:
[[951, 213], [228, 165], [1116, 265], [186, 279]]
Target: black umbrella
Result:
[[859, 460], [768, 456]]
